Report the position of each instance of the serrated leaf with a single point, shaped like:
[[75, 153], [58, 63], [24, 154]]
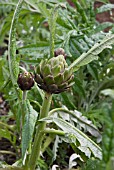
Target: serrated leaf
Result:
[[63, 21], [52, 27], [84, 59], [86, 144], [41, 45], [81, 121], [55, 147], [105, 7], [92, 54], [8, 3], [12, 44], [15, 68], [54, 167], [5, 133], [86, 124], [73, 163], [38, 50], [1, 72], [66, 44], [108, 92], [43, 9], [78, 88], [103, 26], [93, 71], [33, 5], [28, 128], [67, 100]]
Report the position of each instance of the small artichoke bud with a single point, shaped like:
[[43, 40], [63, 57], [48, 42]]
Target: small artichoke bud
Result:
[[25, 81], [60, 51], [53, 75]]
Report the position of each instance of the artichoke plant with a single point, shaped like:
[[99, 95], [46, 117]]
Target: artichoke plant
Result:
[[25, 81], [53, 76]]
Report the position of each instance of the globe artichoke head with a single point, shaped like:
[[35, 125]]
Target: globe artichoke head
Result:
[[25, 81], [53, 75]]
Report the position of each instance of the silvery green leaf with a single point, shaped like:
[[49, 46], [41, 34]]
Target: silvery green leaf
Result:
[[54, 167], [28, 128], [55, 147], [108, 92], [92, 54], [73, 157], [86, 144], [86, 124], [81, 121]]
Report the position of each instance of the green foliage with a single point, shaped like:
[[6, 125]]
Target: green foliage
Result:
[[7, 132], [1, 72], [108, 139], [28, 128], [80, 121], [106, 7], [13, 63], [86, 145], [92, 164], [92, 54], [52, 25], [84, 110]]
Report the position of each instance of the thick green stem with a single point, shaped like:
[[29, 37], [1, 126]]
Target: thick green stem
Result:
[[24, 96], [12, 168], [39, 136], [7, 152], [54, 131]]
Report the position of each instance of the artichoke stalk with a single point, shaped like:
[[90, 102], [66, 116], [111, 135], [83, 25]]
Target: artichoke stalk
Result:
[[53, 76]]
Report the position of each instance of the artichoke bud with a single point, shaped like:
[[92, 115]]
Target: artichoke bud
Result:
[[71, 84], [25, 81], [40, 67], [67, 74], [38, 78], [49, 80], [70, 79], [46, 71], [53, 88], [60, 51], [53, 75], [59, 78], [56, 70], [64, 85]]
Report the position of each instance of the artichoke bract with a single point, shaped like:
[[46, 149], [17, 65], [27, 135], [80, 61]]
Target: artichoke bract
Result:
[[53, 76], [25, 81]]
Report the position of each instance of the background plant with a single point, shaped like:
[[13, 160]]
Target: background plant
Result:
[[69, 33]]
